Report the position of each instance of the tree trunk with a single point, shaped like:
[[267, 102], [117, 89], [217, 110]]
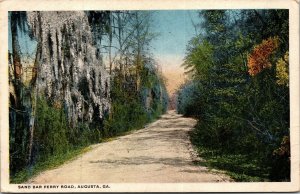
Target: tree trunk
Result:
[[34, 94], [16, 57], [110, 43]]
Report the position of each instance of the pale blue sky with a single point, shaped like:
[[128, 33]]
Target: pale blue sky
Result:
[[175, 29]]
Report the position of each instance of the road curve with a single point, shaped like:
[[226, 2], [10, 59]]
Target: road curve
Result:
[[159, 153]]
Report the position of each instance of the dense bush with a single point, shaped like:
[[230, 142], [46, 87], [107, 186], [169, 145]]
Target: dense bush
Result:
[[54, 136], [240, 65], [187, 99], [133, 109]]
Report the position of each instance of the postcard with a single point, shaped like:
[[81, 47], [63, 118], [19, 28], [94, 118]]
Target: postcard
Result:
[[149, 96]]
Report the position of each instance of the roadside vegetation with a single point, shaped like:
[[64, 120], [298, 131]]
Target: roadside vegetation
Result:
[[239, 91], [76, 109]]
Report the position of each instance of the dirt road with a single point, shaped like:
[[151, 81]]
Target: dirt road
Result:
[[161, 152]]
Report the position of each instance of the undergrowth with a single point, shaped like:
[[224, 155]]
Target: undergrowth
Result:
[[51, 163], [240, 167]]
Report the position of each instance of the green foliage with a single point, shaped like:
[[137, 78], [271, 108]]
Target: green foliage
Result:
[[53, 135], [131, 109], [51, 163], [51, 128], [188, 99], [125, 117], [54, 141], [241, 168], [199, 60], [241, 116]]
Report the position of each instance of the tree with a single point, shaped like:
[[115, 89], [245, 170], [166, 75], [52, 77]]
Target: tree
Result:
[[240, 65]]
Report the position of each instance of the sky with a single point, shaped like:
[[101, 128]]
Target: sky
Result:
[[27, 45], [175, 29]]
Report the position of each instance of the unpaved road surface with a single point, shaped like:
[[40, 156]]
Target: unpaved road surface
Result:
[[159, 153]]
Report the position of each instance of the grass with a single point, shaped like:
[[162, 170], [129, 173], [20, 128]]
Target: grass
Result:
[[240, 167], [50, 163]]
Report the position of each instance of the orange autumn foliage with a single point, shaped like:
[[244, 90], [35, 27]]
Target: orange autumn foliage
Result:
[[259, 58]]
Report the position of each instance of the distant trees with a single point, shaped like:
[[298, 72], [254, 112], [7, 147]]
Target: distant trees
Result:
[[239, 65], [138, 92]]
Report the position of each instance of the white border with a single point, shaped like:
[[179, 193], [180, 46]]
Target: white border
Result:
[[61, 5]]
